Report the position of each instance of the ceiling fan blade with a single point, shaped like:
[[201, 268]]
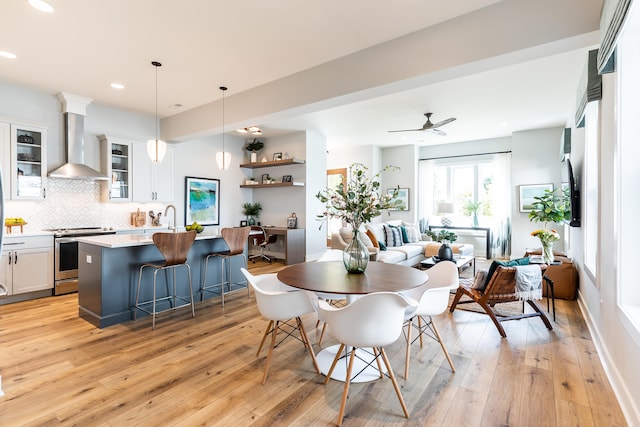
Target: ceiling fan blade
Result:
[[437, 132], [406, 130], [443, 122]]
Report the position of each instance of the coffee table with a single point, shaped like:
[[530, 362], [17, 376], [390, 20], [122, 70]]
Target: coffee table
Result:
[[461, 262]]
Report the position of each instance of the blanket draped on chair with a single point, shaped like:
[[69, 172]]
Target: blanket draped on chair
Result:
[[528, 282]]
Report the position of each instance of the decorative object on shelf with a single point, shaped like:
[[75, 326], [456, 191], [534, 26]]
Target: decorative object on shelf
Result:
[[401, 200], [156, 148], [553, 206], [155, 218], [277, 157], [286, 155], [266, 179], [264, 159], [253, 146], [445, 208], [357, 203], [292, 221], [252, 211], [528, 194], [202, 202], [243, 223], [9, 223], [287, 178], [223, 159], [471, 209]]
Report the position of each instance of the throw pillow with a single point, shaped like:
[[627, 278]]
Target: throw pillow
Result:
[[373, 239], [377, 231], [364, 238], [392, 236], [405, 237], [382, 246], [346, 233], [479, 280], [413, 232], [495, 264]]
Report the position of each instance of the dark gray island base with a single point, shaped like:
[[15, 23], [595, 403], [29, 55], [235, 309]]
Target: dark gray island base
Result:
[[108, 269]]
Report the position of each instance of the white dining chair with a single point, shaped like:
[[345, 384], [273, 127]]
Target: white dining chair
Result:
[[430, 300], [279, 304], [372, 321], [337, 300]]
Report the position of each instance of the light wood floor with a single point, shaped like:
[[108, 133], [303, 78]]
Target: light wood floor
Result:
[[60, 370]]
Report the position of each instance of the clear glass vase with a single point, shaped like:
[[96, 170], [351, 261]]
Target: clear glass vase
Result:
[[547, 252], [356, 255]]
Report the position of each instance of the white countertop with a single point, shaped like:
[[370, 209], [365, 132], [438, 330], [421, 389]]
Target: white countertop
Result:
[[129, 240]]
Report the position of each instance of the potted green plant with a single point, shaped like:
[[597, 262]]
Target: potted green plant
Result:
[[552, 207], [253, 147], [252, 211], [471, 208]]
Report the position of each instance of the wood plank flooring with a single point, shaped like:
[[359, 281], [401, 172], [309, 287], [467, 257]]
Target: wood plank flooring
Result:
[[58, 369]]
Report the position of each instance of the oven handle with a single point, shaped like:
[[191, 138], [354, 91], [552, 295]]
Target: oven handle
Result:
[[66, 239]]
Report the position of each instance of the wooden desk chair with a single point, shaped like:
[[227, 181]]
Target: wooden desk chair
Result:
[[501, 288], [235, 238], [174, 248], [262, 240]]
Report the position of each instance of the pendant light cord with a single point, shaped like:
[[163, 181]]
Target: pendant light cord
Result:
[[156, 64], [224, 153]]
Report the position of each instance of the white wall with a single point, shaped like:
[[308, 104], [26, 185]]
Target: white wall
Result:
[[406, 158], [534, 160]]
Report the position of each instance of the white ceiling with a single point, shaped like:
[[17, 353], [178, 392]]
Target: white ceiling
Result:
[[87, 44]]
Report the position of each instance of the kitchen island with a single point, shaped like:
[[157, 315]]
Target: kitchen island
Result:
[[108, 267]]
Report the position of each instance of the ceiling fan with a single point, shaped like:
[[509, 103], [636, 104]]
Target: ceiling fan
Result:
[[428, 126]]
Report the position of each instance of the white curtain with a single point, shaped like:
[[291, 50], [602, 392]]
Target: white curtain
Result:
[[501, 206], [425, 198]]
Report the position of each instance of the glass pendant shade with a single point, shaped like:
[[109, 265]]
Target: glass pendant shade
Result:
[[223, 159], [156, 149]]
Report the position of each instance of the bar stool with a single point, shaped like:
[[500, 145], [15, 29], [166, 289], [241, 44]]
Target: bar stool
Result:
[[174, 248], [235, 238]]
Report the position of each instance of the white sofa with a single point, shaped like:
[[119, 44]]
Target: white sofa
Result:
[[408, 254]]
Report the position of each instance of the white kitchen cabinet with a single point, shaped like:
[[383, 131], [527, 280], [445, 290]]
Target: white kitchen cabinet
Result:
[[24, 160], [152, 182], [116, 164], [26, 264]]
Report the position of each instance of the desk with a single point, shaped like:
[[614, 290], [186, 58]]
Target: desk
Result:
[[331, 277], [293, 247]]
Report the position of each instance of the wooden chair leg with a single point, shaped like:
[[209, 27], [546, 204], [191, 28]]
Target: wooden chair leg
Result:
[[273, 344], [307, 344], [375, 354], [324, 327], [264, 337], [335, 362], [493, 317], [420, 330], [454, 303], [347, 381], [395, 383], [446, 353]]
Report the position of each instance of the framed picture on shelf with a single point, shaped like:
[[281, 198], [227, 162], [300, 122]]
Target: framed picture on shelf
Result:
[[286, 178], [277, 157], [243, 223], [402, 197], [528, 192], [265, 178], [202, 202]]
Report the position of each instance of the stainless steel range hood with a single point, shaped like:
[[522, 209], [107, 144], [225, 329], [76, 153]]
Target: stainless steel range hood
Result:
[[74, 142]]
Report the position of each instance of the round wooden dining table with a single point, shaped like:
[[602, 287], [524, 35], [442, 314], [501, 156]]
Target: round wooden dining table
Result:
[[330, 277]]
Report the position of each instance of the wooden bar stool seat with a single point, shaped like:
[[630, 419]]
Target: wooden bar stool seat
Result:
[[174, 247]]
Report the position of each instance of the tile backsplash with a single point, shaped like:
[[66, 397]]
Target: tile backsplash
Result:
[[75, 203]]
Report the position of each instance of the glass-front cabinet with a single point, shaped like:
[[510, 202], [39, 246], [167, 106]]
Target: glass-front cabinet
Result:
[[116, 163], [28, 162]]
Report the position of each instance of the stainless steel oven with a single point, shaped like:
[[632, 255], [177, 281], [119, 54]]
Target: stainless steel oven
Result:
[[66, 256]]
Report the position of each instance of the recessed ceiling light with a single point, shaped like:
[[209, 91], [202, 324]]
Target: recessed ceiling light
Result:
[[255, 130], [41, 5], [6, 54], [118, 86]]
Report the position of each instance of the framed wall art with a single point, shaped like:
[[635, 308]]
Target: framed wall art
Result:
[[403, 198], [202, 202], [528, 192]]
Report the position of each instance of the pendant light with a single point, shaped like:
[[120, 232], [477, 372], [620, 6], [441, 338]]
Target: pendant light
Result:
[[156, 148], [223, 159]]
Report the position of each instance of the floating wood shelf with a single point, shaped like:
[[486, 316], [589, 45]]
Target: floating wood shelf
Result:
[[275, 184], [285, 162]]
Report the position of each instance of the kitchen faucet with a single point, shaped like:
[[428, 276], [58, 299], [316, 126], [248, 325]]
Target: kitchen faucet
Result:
[[175, 226]]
